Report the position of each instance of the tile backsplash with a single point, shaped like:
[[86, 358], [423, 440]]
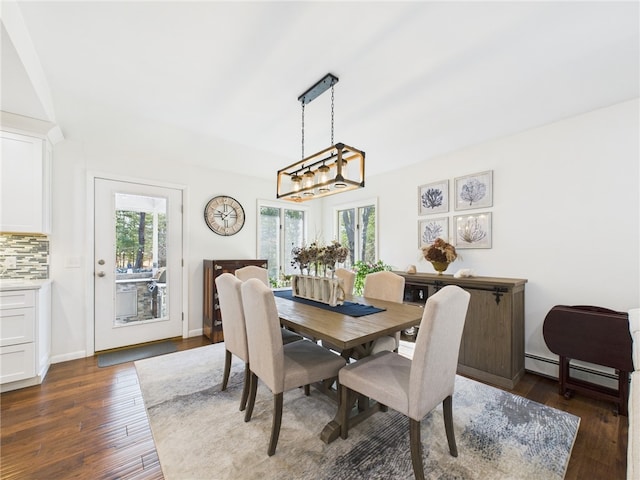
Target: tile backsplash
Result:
[[31, 253]]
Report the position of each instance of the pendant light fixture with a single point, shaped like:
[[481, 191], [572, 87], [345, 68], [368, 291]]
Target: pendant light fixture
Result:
[[338, 168]]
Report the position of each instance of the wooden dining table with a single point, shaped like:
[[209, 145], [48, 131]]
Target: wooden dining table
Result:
[[352, 336]]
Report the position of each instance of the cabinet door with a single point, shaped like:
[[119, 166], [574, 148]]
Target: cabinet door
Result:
[[23, 185], [487, 334]]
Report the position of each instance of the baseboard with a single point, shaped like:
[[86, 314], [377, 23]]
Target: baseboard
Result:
[[69, 356], [195, 333]]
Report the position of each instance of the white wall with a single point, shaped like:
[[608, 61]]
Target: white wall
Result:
[[565, 214], [75, 160], [565, 217]]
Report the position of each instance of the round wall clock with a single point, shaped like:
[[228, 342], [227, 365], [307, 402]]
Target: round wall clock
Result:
[[224, 215]]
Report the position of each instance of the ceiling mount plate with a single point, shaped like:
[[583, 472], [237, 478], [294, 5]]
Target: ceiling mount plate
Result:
[[321, 86]]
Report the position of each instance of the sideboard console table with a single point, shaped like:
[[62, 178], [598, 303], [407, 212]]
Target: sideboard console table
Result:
[[211, 318], [492, 346]]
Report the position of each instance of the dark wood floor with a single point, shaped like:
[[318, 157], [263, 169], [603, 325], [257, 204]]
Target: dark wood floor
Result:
[[89, 422]]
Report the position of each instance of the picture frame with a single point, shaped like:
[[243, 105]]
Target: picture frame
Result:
[[433, 198], [474, 191], [431, 228], [473, 230]]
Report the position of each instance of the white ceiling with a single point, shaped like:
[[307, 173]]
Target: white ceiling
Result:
[[417, 79]]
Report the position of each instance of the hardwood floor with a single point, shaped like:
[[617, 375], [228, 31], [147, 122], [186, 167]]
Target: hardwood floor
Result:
[[90, 422]]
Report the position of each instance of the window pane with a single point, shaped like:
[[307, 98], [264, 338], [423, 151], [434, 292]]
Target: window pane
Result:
[[269, 242], [347, 234], [368, 233], [293, 237]]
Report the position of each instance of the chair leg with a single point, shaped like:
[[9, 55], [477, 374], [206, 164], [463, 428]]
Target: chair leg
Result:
[[416, 449], [277, 421], [307, 390], [447, 408], [252, 396], [245, 389], [227, 370]]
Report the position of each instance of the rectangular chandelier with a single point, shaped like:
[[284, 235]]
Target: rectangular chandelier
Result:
[[336, 169]]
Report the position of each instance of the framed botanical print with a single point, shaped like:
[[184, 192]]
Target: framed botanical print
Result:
[[474, 191], [432, 228], [433, 198], [473, 230]]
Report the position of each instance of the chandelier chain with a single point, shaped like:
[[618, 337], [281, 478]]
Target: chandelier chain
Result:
[[331, 115], [302, 130]]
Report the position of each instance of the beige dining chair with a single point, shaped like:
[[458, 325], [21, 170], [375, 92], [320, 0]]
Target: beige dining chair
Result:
[[235, 333], [414, 387], [280, 367], [253, 271], [348, 278], [387, 286]]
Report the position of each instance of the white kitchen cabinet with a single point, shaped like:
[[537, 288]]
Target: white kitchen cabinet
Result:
[[25, 183], [25, 334]]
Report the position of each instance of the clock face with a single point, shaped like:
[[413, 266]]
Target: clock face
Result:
[[224, 215]]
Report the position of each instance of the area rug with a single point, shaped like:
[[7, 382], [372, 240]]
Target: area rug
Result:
[[135, 353], [200, 433]]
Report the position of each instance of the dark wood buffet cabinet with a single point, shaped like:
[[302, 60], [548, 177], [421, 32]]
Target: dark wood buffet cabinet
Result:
[[211, 318], [492, 346]]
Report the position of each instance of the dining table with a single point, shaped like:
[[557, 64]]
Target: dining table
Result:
[[352, 336]]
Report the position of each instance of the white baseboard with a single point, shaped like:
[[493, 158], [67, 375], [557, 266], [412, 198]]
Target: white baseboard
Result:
[[195, 333], [68, 356]]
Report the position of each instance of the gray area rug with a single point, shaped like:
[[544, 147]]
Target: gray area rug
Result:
[[200, 433], [135, 353]]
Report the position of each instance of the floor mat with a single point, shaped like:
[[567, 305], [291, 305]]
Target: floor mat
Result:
[[136, 353]]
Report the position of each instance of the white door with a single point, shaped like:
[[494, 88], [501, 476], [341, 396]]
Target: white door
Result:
[[137, 264]]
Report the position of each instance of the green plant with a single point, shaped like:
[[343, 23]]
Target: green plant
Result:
[[362, 269]]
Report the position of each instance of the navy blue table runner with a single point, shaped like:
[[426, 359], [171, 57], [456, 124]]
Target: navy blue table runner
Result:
[[347, 308]]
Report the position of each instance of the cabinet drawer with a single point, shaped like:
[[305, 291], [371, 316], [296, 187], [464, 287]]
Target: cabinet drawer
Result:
[[17, 299], [17, 325], [17, 362]]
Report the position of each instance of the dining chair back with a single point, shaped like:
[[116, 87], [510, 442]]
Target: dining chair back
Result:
[[348, 279], [280, 367], [384, 285], [415, 386], [253, 271], [387, 286], [235, 333]]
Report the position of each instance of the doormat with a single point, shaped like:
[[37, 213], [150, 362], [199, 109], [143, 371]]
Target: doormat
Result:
[[136, 353]]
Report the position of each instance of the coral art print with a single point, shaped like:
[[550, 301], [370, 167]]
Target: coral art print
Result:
[[474, 191], [433, 198], [429, 230], [473, 231]]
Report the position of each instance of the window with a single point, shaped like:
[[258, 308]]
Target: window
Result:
[[279, 230], [357, 229]]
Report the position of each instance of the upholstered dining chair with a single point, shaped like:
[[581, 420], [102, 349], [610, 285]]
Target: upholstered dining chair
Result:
[[253, 271], [348, 278], [235, 333], [280, 367], [387, 286], [414, 387]]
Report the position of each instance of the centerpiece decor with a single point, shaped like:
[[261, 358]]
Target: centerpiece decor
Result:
[[440, 254], [322, 286]]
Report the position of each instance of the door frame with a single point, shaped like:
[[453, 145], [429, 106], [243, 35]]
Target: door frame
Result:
[[90, 249]]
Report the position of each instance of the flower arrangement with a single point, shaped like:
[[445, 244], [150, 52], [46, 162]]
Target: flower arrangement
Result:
[[319, 256], [440, 251], [363, 269]]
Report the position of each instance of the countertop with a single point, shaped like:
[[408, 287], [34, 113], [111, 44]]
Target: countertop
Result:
[[7, 284]]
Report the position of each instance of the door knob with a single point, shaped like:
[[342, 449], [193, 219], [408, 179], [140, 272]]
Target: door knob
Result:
[[101, 274], [100, 262]]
